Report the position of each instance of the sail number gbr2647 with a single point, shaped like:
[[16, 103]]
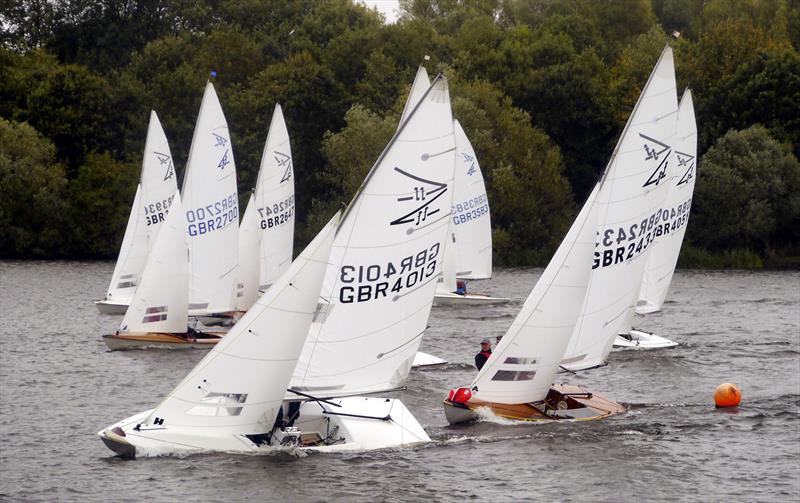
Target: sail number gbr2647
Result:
[[276, 214], [363, 283]]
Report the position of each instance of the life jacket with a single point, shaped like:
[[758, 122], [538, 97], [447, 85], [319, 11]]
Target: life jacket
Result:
[[487, 354]]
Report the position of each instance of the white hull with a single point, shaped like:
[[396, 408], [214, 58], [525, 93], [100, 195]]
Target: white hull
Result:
[[470, 299], [359, 424], [637, 339], [426, 361], [647, 309], [112, 306]]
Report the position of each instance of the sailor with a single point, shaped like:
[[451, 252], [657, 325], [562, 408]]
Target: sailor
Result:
[[461, 287], [486, 352], [498, 339]]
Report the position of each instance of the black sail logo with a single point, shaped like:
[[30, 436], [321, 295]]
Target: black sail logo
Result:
[[166, 159], [425, 192], [284, 161], [685, 160], [654, 150]]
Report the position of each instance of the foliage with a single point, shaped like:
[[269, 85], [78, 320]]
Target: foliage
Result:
[[542, 87], [747, 193]]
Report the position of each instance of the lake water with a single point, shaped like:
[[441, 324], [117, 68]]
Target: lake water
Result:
[[59, 386]]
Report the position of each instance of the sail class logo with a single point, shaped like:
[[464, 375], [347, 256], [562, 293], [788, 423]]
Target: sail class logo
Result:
[[425, 192], [653, 150], [685, 160], [166, 159], [220, 141], [470, 161], [284, 161]]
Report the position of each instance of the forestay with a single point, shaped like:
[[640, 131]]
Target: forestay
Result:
[[471, 220], [153, 197], [630, 199], [274, 200], [386, 260], [675, 214], [247, 284], [239, 385], [522, 367], [212, 211], [159, 303]]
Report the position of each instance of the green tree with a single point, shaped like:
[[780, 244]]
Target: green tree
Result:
[[32, 190], [747, 193], [100, 199]]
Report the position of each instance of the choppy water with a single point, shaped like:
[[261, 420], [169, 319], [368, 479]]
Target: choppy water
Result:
[[59, 385]]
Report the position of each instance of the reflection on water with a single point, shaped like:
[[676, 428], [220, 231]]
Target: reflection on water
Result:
[[59, 386]]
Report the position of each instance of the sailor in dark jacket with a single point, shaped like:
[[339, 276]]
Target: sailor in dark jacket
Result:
[[486, 352]]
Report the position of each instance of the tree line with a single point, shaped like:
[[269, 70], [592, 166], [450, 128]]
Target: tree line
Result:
[[542, 88]]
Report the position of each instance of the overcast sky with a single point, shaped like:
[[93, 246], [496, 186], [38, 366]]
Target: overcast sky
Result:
[[386, 7]]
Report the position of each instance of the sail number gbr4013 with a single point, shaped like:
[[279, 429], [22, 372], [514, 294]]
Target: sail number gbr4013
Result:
[[618, 245], [362, 283]]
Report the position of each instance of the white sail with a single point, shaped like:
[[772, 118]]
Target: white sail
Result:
[[418, 90], [247, 283], [275, 202], [473, 227], [522, 367], [239, 385], [153, 197], [447, 282], [211, 203], [159, 303], [630, 199], [386, 261], [664, 257]]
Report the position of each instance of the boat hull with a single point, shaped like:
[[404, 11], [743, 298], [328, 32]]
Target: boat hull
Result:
[[111, 307], [636, 339], [564, 403], [157, 340], [470, 299], [359, 423], [426, 361]]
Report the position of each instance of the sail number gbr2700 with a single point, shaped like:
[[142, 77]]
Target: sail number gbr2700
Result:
[[363, 283]]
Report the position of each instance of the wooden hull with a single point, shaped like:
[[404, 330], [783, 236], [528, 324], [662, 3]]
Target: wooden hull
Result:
[[160, 340], [563, 403], [470, 299]]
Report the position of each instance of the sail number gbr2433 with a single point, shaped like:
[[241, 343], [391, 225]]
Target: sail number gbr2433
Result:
[[362, 283]]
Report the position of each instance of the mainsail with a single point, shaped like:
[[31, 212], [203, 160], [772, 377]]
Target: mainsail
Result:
[[471, 220], [211, 203], [159, 303], [664, 257], [274, 202], [418, 90], [153, 197], [386, 260], [247, 283], [631, 195], [239, 385]]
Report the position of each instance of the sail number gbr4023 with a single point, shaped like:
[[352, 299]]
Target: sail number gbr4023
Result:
[[362, 283]]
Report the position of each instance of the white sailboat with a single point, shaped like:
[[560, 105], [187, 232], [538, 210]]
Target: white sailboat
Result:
[[583, 292], [378, 291], [211, 203], [231, 400], [158, 314], [249, 241], [153, 197], [675, 216], [469, 248]]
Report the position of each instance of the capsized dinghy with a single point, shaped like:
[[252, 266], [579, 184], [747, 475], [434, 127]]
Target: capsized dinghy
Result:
[[157, 316], [150, 207]]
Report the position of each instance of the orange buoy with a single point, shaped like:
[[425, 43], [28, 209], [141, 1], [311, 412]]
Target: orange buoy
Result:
[[727, 395]]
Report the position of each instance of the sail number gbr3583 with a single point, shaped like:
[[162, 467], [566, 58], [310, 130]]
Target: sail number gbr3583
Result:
[[362, 283]]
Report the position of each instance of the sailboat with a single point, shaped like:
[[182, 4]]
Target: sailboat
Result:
[[584, 294], [158, 314], [468, 252], [352, 306], [150, 205], [211, 203], [231, 400], [675, 216], [378, 292], [269, 217]]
